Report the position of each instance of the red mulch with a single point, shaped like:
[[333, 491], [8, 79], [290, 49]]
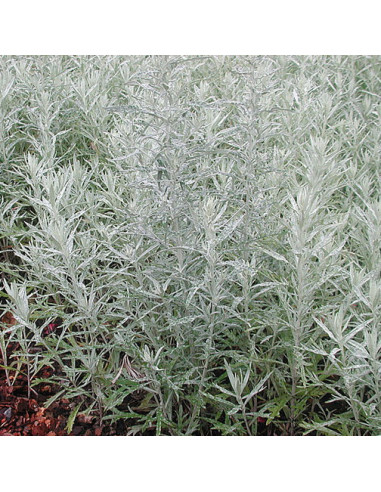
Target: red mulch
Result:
[[23, 416]]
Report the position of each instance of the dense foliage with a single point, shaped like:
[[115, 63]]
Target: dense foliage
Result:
[[202, 236]]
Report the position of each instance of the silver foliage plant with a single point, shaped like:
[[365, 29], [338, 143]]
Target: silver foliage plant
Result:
[[205, 234]]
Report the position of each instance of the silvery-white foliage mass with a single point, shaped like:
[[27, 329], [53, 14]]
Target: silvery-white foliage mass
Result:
[[206, 229]]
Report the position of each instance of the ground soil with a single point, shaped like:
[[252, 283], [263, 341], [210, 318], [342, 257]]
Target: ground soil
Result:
[[23, 414], [24, 410]]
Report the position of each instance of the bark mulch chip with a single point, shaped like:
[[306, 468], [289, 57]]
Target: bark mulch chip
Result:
[[21, 415]]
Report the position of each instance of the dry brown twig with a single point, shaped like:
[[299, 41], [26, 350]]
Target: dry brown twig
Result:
[[132, 372]]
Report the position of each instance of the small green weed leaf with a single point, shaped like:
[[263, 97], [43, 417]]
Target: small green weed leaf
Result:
[[71, 418]]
